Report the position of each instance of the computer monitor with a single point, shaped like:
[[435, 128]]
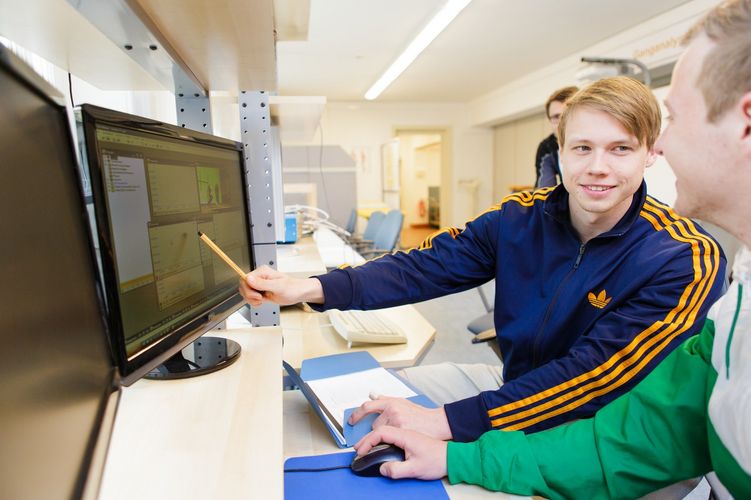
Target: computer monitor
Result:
[[155, 186], [59, 388]]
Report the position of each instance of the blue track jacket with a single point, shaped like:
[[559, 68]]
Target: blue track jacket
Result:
[[578, 325]]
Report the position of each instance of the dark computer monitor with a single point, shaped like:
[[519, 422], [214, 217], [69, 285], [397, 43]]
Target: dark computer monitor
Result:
[[58, 388], [154, 187]]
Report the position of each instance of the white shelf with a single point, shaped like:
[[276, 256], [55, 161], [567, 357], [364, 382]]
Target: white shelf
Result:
[[227, 45], [57, 32]]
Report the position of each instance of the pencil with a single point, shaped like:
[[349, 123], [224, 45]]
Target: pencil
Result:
[[221, 254]]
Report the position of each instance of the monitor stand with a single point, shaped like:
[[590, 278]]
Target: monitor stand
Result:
[[203, 355]]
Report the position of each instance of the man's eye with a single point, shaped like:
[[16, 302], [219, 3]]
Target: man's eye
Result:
[[623, 149], [581, 148]]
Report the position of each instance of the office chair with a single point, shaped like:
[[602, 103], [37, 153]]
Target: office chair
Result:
[[484, 322], [371, 229], [387, 236], [483, 327], [351, 222]]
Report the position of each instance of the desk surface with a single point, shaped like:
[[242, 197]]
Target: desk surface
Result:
[[311, 255], [304, 337], [334, 251], [305, 434], [214, 436], [301, 259]]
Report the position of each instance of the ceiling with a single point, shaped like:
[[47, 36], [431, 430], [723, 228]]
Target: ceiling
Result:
[[492, 42]]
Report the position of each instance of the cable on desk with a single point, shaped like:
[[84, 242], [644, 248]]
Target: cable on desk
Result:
[[323, 469]]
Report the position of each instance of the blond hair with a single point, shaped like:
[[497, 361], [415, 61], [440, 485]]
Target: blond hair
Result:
[[560, 95], [627, 100], [726, 71]]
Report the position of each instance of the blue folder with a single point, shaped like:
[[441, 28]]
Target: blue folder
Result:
[[335, 365], [342, 483]]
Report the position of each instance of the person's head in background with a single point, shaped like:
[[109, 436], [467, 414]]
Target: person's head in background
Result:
[[555, 105], [707, 141], [607, 134]]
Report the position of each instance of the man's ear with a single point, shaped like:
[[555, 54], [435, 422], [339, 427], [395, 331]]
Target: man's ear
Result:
[[651, 157], [745, 106]]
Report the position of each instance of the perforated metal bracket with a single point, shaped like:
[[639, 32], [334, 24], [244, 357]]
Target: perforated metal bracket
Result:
[[255, 133], [129, 27], [265, 315], [256, 137], [268, 313], [194, 112]]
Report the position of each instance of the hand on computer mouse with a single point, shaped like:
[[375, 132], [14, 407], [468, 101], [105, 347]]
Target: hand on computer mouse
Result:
[[370, 463], [425, 457]]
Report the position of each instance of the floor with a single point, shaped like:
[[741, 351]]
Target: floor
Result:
[[450, 315], [413, 236]]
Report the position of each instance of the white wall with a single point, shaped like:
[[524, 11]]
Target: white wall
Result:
[[655, 42], [158, 105], [514, 148], [361, 129], [660, 178]]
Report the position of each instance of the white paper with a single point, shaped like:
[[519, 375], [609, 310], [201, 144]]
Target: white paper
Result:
[[340, 393]]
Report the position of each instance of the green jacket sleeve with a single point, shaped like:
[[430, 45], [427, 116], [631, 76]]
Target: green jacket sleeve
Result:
[[650, 437]]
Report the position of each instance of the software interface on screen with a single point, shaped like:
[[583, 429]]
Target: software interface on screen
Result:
[[160, 193]]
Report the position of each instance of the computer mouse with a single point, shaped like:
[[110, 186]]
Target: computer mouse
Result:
[[370, 463]]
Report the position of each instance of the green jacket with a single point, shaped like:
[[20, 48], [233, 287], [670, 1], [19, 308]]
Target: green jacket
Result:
[[691, 415]]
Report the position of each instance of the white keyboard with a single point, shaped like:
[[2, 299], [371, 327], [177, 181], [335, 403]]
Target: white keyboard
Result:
[[366, 327]]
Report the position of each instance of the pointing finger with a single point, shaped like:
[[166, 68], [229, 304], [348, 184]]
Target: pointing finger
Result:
[[366, 408]]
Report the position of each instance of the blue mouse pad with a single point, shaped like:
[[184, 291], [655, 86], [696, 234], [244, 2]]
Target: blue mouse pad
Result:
[[344, 484]]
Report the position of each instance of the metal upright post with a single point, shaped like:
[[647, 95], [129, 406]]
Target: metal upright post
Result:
[[194, 111], [256, 137]]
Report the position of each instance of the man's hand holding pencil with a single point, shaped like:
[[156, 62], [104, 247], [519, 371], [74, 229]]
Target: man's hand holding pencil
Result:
[[267, 284]]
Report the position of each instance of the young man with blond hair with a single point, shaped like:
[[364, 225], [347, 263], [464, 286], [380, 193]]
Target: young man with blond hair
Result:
[[596, 282], [692, 414], [547, 165]]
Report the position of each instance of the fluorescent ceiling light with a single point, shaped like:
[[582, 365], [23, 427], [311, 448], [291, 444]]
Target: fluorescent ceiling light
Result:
[[421, 41]]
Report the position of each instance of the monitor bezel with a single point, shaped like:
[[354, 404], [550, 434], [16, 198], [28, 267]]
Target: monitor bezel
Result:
[[142, 363], [89, 478]]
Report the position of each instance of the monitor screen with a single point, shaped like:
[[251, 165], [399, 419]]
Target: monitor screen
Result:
[[59, 387], [155, 187]]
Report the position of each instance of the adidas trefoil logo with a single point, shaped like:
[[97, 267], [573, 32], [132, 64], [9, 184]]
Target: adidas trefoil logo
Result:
[[600, 300]]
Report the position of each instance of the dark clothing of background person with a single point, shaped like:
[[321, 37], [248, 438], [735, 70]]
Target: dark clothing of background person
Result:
[[547, 170]]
